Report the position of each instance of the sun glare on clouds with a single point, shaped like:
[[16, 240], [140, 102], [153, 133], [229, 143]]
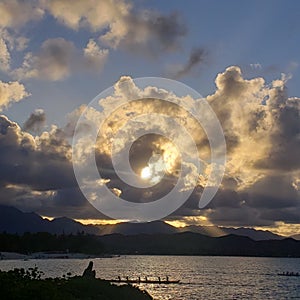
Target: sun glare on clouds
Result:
[[155, 170], [146, 173]]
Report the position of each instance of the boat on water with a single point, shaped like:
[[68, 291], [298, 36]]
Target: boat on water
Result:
[[146, 280], [289, 274]]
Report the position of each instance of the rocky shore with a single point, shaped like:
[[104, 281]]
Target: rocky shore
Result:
[[20, 284]]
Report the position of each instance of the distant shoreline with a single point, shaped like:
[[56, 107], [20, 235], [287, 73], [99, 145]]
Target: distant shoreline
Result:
[[44, 256], [45, 245]]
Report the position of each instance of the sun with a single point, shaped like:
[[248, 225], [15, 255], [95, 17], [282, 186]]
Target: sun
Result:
[[146, 173], [155, 169]]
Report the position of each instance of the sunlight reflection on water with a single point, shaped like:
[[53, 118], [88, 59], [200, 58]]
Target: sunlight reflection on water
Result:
[[201, 277]]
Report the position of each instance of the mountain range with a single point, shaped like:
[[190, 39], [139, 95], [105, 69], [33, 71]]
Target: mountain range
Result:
[[13, 221], [190, 243]]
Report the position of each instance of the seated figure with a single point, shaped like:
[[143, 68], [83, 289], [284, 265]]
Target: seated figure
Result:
[[89, 272]]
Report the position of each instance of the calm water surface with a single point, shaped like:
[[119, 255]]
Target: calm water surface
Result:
[[201, 277]]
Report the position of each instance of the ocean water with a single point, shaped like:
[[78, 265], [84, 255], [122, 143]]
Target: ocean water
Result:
[[202, 277]]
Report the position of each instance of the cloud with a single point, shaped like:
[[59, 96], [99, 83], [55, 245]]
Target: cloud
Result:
[[273, 192], [9, 42], [239, 106], [94, 56], [36, 121], [269, 200], [250, 124], [285, 136], [53, 62], [15, 13], [197, 56], [36, 173], [261, 126], [11, 92], [14, 41], [116, 23], [41, 162], [262, 129], [150, 150], [58, 58], [97, 15], [4, 56], [120, 24], [151, 33]]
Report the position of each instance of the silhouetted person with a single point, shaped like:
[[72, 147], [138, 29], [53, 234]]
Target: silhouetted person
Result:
[[89, 272]]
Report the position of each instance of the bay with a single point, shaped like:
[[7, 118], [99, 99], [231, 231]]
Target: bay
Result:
[[202, 277]]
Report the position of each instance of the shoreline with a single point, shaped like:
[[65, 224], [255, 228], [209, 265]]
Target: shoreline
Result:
[[28, 284], [50, 255], [58, 255]]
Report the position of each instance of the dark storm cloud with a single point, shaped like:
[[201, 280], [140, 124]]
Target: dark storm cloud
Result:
[[197, 56], [36, 121], [284, 154], [70, 202], [255, 116], [167, 29], [42, 163], [273, 192], [260, 188], [269, 200], [241, 216], [72, 122], [143, 148], [141, 152], [120, 23], [290, 215], [23, 197], [229, 208], [152, 33], [225, 199], [55, 59], [36, 174], [265, 136], [58, 58]]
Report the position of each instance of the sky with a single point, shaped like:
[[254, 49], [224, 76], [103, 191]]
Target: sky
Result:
[[242, 58]]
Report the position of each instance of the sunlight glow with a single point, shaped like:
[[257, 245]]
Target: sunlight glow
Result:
[[155, 169], [99, 221], [146, 173]]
